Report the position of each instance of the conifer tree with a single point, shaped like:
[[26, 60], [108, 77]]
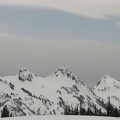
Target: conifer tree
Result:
[[95, 110], [116, 112], [108, 108], [88, 111], [100, 113], [5, 112]]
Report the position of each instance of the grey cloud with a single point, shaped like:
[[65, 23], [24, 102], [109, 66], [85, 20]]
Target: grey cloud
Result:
[[89, 60]]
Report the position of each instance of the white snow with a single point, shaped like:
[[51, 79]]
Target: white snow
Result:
[[108, 87], [60, 118], [46, 93]]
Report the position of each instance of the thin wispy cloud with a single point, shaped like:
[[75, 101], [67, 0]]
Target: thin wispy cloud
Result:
[[54, 24], [99, 9]]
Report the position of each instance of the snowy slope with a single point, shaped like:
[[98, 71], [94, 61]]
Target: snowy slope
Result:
[[61, 118], [108, 87], [28, 94]]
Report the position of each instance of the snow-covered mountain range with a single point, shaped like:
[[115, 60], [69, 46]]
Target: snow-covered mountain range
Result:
[[29, 94]]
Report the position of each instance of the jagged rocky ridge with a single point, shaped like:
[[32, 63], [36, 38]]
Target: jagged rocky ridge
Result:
[[27, 94]]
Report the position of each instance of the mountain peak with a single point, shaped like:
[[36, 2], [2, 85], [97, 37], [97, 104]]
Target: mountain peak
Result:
[[106, 76], [64, 66], [25, 74], [64, 70], [23, 69], [106, 81]]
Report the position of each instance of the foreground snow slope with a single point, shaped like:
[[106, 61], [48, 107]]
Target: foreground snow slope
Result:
[[61, 118]]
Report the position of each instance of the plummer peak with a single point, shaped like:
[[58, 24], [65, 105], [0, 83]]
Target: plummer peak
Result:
[[103, 79], [109, 78], [106, 79]]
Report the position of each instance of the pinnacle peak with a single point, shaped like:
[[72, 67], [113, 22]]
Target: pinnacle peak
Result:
[[24, 69], [25, 74]]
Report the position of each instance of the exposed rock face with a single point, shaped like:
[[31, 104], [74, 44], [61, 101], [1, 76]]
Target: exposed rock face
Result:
[[25, 74]]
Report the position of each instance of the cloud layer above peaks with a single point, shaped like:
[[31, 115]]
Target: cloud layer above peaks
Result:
[[100, 9]]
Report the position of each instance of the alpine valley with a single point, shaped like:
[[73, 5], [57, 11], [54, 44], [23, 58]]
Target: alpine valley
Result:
[[27, 94]]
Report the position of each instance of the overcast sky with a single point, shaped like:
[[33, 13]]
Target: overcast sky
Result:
[[43, 35]]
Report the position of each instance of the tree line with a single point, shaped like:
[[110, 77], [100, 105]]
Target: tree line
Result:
[[78, 110]]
